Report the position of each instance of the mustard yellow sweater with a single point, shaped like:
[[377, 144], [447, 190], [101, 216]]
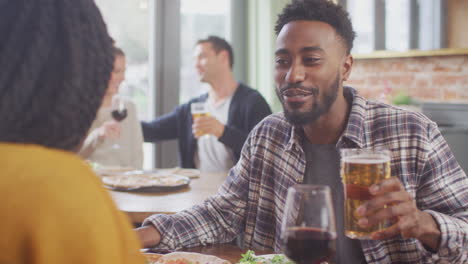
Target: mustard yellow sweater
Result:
[[53, 210]]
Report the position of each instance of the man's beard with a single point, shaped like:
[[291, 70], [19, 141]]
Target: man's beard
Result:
[[298, 118]]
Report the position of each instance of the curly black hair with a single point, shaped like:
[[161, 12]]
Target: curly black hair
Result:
[[319, 10], [56, 62]]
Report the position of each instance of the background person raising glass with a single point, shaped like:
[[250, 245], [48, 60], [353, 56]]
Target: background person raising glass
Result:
[[112, 142]]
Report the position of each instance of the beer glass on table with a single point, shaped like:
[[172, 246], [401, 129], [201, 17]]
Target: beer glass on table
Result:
[[308, 231], [361, 168], [198, 109]]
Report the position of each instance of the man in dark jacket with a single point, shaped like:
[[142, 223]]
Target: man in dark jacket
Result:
[[212, 142]]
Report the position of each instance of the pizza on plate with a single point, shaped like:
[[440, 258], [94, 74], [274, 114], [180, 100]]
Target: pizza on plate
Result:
[[190, 258], [111, 170], [152, 258], [138, 180], [191, 173]]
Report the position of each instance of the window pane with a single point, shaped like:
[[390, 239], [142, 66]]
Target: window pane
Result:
[[397, 29], [199, 19], [128, 24], [430, 22], [362, 17]]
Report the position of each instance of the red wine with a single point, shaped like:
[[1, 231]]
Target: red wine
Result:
[[119, 115], [310, 245]]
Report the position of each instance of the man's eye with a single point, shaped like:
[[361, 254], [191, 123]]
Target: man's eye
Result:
[[311, 60], [281, 61]]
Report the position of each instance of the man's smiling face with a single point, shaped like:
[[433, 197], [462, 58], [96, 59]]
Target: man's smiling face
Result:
[[307, 69]]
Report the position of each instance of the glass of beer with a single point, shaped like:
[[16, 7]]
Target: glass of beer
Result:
[[198, 109], [360, 168]]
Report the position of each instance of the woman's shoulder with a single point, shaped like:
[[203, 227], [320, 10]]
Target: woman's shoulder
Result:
[[46, 186], [40, 172]]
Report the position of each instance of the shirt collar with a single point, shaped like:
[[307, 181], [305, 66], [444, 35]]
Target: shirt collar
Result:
[[355, 130], [354, 133], [294, 143]]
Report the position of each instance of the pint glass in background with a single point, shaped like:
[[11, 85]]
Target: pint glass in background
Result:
[[198, 109], [360, 168]]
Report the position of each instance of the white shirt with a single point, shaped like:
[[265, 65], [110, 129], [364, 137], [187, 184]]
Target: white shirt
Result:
[[212, 155]]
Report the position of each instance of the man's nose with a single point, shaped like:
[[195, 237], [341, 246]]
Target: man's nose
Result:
[[198, 65], [296, 74]]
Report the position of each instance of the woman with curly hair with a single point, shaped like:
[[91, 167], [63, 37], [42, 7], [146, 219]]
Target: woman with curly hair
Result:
[[56, 60]]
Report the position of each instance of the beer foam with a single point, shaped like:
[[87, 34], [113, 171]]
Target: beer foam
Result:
[[367, 159]]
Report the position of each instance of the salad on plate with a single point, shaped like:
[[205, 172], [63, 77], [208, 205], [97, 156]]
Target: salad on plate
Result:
[[250, 258]]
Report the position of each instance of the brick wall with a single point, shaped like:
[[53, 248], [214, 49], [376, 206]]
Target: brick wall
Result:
[[438, 78]]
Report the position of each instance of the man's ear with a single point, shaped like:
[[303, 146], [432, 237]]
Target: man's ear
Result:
[[224, 56], [346, 67]]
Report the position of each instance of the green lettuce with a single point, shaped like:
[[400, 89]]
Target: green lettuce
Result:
[[250, 258]]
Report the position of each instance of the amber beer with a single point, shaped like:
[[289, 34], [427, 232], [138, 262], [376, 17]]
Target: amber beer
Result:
[[198, 109], [360, 168], [197, 115]]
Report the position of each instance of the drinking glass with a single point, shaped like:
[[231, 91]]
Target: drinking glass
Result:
[[198, 109], [308, 230], [360, 168], [119, 113]]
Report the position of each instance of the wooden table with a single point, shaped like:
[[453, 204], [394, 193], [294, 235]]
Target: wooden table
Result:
[[139, 206], [228, 252]]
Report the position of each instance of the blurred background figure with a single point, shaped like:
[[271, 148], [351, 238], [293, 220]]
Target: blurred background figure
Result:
[[211, 140], [56, 61], [115, 137]]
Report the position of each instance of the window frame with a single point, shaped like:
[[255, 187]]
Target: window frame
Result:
[[165, 63], [437, 38]]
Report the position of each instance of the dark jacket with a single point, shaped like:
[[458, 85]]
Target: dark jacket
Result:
[[247, 108]]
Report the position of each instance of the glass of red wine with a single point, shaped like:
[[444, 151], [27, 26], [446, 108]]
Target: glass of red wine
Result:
[[308, 230], [118, 113]]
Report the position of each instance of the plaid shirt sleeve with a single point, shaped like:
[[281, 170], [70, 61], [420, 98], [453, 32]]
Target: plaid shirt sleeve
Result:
[[218, 220], [444, 189]]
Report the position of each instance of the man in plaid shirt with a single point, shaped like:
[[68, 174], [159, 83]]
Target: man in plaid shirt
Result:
[[427, 197]]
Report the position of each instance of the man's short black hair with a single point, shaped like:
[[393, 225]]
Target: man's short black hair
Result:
[[219, 44], [319, 10]]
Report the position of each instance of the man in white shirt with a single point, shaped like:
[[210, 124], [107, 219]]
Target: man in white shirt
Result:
[[212, 142]]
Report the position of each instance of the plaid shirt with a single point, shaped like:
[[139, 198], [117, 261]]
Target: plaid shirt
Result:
[[252, 199]]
